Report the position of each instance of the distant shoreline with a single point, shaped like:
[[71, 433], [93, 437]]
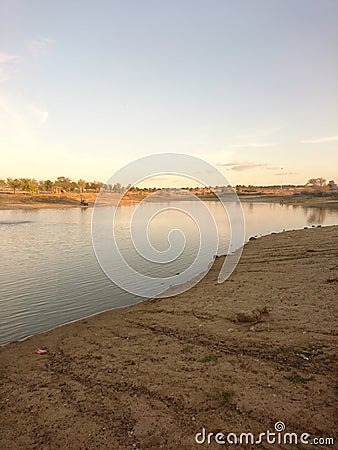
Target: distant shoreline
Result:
[[10, 201]]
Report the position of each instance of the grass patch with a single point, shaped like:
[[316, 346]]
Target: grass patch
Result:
[[226, 396], [332, 280], [187, 349], [208, 358], [296, 378]]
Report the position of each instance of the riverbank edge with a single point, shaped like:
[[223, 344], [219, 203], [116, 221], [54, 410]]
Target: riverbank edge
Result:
[[63, 201], [190, 283], [153, 374]]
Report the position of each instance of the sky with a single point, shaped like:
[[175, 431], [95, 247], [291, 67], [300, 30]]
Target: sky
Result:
[[250, 86]]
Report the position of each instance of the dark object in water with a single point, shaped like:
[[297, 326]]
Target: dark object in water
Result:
[[83, 202]]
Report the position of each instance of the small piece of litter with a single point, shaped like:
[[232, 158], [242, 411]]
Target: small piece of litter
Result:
[[41, 351]]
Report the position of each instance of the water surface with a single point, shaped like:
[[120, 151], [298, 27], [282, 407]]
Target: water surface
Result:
[[49, 274]]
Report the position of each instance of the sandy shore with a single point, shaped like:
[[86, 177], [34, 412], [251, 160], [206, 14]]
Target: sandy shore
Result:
[[153, 375]]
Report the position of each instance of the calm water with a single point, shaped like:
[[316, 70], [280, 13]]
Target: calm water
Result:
[[49, 274]]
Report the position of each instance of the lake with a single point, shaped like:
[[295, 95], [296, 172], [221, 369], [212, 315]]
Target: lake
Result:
[[50, 276]]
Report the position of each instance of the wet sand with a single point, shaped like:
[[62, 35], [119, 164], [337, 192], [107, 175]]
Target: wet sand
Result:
[[233, 357]]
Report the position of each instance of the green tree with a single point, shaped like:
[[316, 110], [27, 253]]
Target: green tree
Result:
[[81, 185], [46, 185], [24, 184], [14, 183], [94, 186], [29, 185], [33, 186], [63, 183]]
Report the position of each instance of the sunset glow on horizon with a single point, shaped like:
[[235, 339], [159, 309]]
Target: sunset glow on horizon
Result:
[[250, 87]]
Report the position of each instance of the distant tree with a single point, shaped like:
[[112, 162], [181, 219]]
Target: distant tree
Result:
[[29, 185], [24, 184], [318, 185], [33, 186], [73, 186], [82, 185], [117, 187], [96, 185], [14, 183], [2, 184], [63, 183], [331, 184], [316, 182], [47, 185]]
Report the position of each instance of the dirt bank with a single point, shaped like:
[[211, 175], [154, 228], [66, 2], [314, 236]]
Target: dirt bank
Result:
[[233, 357]]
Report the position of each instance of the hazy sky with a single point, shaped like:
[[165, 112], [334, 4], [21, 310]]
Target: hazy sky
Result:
[[250, 86]]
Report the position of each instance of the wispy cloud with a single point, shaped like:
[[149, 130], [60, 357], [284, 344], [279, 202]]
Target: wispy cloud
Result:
[[240, 166], [286, 173], [35, 46], [19, 115], [320, 140], [7, 58], [10, 61], [252, 145], [8, 64], [261, 133], [39, 115]]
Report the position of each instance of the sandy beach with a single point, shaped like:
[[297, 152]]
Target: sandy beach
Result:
[[234, 357]]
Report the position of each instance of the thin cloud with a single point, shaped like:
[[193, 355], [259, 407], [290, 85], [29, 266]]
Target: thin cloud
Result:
[[19, 115], [320, 140], [10, 61], [35, 46], [252, 145], [6, 58], [247, 136], [8, 64], [286, 173], [260, 134], [37, 114], [240, 166]]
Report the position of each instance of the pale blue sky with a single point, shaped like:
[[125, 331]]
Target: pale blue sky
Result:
[[250, 86]]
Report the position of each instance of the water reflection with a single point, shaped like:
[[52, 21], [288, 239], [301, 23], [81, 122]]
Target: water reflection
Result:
[[315, 216], [49, 274]]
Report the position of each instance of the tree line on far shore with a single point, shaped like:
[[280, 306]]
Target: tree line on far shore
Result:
[[61, 184], [64, 184]]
